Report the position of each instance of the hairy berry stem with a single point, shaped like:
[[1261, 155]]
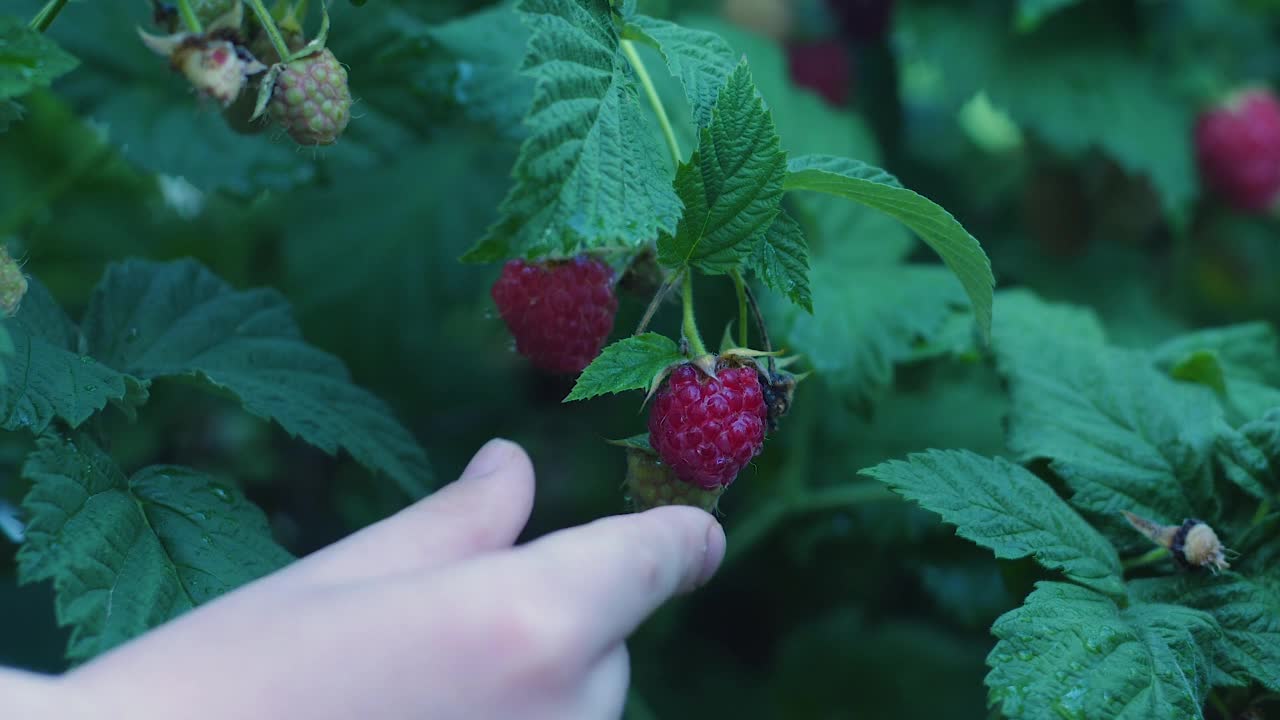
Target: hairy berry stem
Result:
[[269, 24], [690, 326], [47, 15], [189, 17], [741, 288], [1150, 557], [646, 82]]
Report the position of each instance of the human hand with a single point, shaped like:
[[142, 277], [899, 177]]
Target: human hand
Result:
[[428, 614]]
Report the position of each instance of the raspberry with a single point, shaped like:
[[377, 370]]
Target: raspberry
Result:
[[560, 312], [1238, 149], [311, 100], [823, 67], [707, 429], [13, 284], [650, 484]]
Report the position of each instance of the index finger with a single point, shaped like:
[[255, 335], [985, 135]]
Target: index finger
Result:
[[611, 574]]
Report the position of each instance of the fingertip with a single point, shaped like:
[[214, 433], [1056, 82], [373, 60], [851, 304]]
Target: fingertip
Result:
[[494, 455], [705, 541]]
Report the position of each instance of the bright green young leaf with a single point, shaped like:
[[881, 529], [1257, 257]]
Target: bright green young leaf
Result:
[[156, 320], [871, 318], [590, 173], [1247, 360], [1071, 652], [49, 377], [1248, 613], [629, 364], [700, 60], [875, 188], [1003, 507], [127, 554], [781, 260], [28, 59], [732, 185]]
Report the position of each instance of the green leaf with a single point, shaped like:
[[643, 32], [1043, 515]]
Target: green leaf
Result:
[[629, 364], [156, 320], [1248, 613], [28, 59], [700, 60], [1123, 435], [1250, 456], [781, 260], [1071, 652], [872, 318], [1006, 509], [48, 375], [1110, 92], [127, 554], [1031, 13], [590, 173], [1247, 357], [875, 188], [732, 185], [483, 76]]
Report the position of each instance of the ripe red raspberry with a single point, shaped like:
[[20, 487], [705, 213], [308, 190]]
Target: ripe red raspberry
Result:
[[823, 67], [707, 429], [560, 312], [311, 100], [1238, 148]]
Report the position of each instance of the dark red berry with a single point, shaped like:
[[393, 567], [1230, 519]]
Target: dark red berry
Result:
[[1238, 149], [707, 429], [823, 67], [560, 312]]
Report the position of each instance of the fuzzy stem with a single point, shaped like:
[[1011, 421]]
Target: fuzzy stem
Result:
[[189, 17], [656, 302], [47, 15], [269, 24], [1150, 557], [646, 82], [690, 326], [741, 287]]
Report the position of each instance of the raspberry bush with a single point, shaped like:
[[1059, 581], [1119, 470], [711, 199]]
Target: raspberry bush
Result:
[[259, 261]]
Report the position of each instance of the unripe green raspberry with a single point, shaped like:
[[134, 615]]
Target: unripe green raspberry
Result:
[[311, 100], [650, 484], [13, 284]]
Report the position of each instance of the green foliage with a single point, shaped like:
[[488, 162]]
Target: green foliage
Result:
[[631, 364], [589, 174], [875, 188], [28, 59], [154, 320], [781, 260], [128, 553], [1006, 509], [701, 60], [731, 187], [1031, 13], [50, 376], [1071, 652]]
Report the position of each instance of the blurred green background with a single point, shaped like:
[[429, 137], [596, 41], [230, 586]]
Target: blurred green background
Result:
[[1058, 132]]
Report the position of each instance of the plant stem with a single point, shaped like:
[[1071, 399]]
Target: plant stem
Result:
[[269, 24], [656, 302], [690, 326], [646, 82], [741, 288], [189, 17], [47, 15], [1150, 557]]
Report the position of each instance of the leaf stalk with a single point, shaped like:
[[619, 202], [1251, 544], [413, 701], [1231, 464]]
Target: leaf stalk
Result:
[[646, 82], [47, 15], [690, 325]]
